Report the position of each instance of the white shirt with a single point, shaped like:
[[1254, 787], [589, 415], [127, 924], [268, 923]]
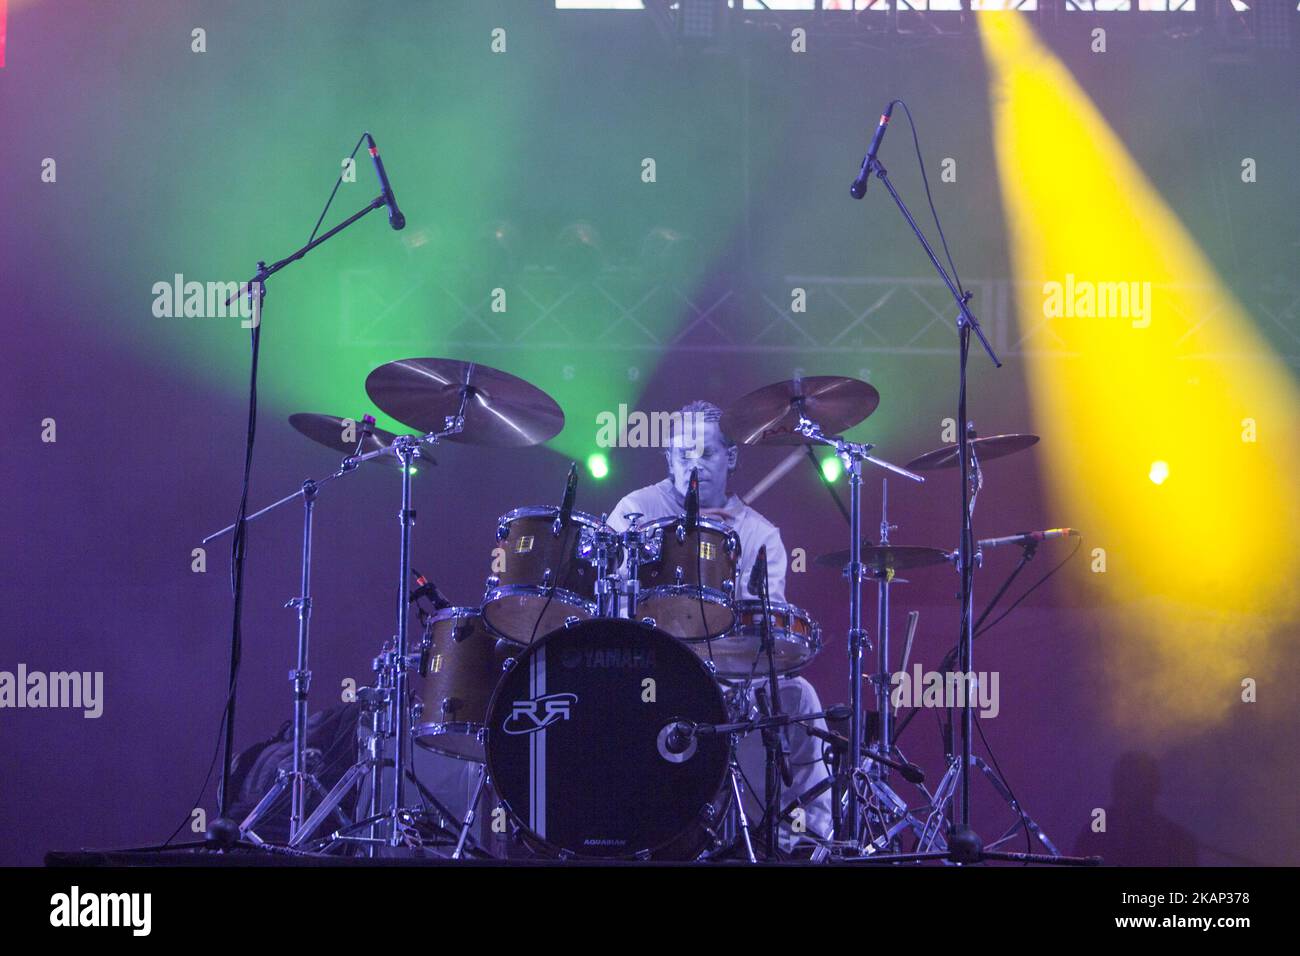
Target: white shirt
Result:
[[661, 500]]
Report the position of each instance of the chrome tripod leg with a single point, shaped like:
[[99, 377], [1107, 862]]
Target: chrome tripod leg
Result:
[[1029, 823], [733, 769], [263, 805], [332, 800], [889, 804], [471, 811], [939, 806]]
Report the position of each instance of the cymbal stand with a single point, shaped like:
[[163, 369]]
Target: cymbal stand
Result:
[[394, 665], [892, 812], [299, 779], [852, 454]]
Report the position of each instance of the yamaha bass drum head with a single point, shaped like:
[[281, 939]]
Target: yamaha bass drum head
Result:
[[582, 749]]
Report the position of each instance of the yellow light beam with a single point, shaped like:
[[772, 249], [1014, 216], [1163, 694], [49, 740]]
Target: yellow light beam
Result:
[[1183, 469]]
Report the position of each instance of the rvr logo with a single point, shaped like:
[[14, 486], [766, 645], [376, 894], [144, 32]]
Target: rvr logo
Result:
[[530, 716]]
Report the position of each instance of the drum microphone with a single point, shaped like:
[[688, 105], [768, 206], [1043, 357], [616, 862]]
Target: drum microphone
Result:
[[758, 576], [395, 217], [859, 187], [693, 501], [677, 741], [426, 588], [570, 493], [1028, 537]]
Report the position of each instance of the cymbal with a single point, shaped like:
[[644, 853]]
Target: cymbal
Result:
[[879, 559], [499, 408], [768, 416], [995, 446], [327, 430]]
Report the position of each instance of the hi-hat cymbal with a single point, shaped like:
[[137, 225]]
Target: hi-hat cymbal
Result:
[[880, 559], [499, 408], [328, 430], [995, 446], [768, 416]]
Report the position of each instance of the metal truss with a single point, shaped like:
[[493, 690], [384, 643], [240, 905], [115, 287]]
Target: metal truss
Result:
[[712, 25], [624, 311]]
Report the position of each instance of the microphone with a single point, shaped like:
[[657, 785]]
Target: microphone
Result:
[[859, 187], [426, 588], [570, 493], [395, 217], [693, 501], [677, 740], [1027, 537], [758, 576]]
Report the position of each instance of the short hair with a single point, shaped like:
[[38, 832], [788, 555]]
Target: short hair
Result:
[[698, 411]]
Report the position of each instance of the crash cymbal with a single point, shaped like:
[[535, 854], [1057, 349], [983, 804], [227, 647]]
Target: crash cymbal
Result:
[[768, 416], [995, 446], [499, 408], [879, 559], [328, 430]]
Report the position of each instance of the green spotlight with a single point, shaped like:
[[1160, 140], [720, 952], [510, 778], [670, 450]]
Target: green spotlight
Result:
[[832, 469], [598, 465]]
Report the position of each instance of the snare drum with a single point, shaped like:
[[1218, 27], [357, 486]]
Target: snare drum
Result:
[[687, 580], [460, 665], [796, 640], [542, 573]]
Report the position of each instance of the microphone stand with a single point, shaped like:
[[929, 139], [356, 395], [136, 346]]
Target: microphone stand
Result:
[[1030, 548], [964, 844], [777, 768], [256, 286]]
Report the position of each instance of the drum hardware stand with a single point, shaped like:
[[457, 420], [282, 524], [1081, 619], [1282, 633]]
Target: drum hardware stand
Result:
[[778, 722], [471, 812], [943, 794], [737, 796], [393, 667], [632, 541], [853, 454], [299, 778], [891, 810]]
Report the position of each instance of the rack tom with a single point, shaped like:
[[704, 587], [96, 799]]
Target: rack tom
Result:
[[542, 573], [688, 579]]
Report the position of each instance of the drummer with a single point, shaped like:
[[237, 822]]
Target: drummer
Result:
[[700, 444]]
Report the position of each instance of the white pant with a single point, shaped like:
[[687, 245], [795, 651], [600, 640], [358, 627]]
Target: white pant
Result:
[[804, 755]]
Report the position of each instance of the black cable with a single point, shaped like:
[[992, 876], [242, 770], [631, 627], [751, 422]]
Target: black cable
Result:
[[1017, 601], [238, 544], [930, 199], [1020, 811]]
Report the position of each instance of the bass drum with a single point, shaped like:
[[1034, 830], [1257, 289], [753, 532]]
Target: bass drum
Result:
[[578, 744]]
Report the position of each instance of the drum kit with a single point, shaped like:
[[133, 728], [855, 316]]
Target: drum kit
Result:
[[601, 685]]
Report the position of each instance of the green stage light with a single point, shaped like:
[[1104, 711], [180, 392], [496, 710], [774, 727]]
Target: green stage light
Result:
[[832, 469], [598, 465]]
